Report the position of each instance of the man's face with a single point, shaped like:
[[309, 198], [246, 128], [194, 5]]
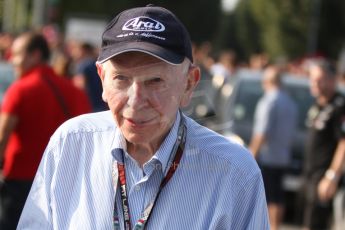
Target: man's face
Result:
[[144, 94], [320, 83], [20, 59]]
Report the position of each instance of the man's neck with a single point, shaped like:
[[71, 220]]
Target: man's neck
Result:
[[144, 151], [141, 153], [33, 68]]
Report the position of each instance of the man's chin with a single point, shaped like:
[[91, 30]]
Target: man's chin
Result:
[[139, 140], [152, 137]]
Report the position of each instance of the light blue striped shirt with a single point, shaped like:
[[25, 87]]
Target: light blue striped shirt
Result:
[[216, 186]]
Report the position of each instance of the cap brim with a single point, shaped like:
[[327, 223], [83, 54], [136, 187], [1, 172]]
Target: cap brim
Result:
[[144, 47]]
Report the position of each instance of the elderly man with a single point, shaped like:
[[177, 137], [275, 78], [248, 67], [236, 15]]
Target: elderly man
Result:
[[153, 167]]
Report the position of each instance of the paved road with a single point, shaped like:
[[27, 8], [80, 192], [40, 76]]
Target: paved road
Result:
[[290, 227]]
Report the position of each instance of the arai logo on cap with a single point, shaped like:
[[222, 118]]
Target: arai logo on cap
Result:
[[143, 24]]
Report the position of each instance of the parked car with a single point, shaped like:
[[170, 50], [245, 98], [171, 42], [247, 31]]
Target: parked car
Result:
[[202, 107]]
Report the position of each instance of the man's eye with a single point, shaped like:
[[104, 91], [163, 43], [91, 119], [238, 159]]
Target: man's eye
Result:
[[120, 81], [120, 78], [156, 83], [156, 80]]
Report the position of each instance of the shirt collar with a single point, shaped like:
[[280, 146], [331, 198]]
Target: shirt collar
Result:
[[272, 92], [162, 154], [164, 151], [43, 69], [119, 144]]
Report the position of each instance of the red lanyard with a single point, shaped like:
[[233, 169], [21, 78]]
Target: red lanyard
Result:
[[177, 153]]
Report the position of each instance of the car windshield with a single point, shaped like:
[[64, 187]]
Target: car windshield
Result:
[[249, 92]]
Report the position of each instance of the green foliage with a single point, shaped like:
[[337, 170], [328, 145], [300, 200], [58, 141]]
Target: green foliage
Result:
[[246, 30], [200, 16], [279, 26], [283, 28]]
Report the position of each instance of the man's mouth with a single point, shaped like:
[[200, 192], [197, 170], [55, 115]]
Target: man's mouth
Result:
[[139, 122]]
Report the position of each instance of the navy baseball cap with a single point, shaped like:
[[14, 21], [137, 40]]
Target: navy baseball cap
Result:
[[153, 30]]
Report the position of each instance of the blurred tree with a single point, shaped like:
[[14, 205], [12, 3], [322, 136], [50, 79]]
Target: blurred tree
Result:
[[246, 30], [332, 28], [278, 28], [200, 16], [286, 28]]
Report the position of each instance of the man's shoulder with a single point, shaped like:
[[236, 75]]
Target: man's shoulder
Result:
[[267, 100], [207, 138], [29, 82], [23, 83], [17, 91], [93, 123], [212, 145]]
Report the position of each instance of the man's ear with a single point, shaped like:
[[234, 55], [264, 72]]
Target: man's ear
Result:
[[193, 79], [100, 71]]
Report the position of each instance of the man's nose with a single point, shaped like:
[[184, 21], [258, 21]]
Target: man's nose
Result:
[[137, 95]]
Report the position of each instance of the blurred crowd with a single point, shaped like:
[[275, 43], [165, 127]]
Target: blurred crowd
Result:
[[70, 57], [324, 151], [226, 62]]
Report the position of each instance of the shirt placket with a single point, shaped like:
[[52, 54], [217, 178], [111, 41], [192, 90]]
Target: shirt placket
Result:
[[142, 186]]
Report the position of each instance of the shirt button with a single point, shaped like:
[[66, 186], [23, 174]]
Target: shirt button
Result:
[[137, 188]]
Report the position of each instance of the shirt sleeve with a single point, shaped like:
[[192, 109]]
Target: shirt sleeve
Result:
[[37, 213], [263, 114], [12, 100]]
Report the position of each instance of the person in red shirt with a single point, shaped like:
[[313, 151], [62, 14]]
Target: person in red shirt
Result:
[[33, 108]]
